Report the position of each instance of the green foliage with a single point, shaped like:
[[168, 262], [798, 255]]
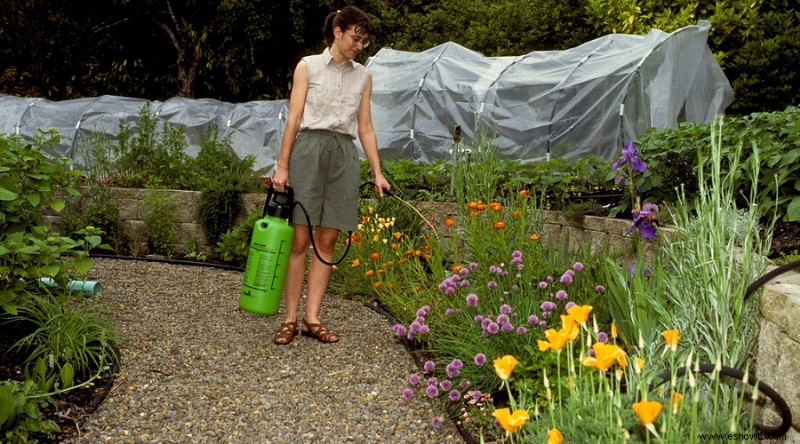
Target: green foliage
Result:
[[31, 184], [234, 246], [671, 154], [68, 343], [21, 419], [221, 204], [159, 209]]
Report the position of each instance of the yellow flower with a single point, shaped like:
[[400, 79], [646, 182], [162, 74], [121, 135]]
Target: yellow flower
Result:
[[554, 436], [580, 313], [511, 421], [605, 355], [371, 210], [676, 402], [356, 263], [369, 273], [671, 337], [556, 340], [614, 331], [647, 411], [504, 366], [638, 365], [397, 235]]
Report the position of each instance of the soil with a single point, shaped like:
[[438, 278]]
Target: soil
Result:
[[75, 406]]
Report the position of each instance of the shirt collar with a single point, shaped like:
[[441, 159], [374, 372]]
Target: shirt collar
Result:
[[328, 58]]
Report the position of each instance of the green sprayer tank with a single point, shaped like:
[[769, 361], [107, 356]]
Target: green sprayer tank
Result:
[[268, 258]]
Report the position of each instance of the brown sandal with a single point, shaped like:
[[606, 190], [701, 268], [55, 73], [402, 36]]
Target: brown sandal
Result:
[[285, 333], [319, 332]]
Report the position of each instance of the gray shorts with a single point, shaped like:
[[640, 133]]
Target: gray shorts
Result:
[[324, 172]]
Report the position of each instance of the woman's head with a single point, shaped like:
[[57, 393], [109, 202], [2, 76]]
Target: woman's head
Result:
[[349, 20]]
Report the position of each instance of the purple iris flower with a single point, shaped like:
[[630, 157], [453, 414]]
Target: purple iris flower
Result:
[[630, 156], [643, 221]]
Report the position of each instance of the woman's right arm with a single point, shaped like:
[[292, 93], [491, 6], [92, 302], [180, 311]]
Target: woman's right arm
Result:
[[297, 102]]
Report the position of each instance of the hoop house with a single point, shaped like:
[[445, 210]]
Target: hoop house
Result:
[[577, 102]]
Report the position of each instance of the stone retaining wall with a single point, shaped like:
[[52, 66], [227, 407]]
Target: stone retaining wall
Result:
[[778, 354]]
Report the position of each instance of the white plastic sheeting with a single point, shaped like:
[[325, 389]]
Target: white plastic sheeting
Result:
[[255, 128], [583, 101]]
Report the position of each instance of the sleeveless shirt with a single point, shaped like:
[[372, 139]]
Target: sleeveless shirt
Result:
[[334, 94]]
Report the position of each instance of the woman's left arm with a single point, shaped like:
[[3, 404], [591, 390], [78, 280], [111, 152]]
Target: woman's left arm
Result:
[[369, 141]]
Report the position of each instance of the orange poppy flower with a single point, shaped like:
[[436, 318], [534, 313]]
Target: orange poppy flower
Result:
[[504, 366], [472, 205], [534, 236], [614, 333], [378, 284], [355, 238], [496, 206], [499, 225], [647, 411], [580, 313], [355, 263], [397, 235], [511, 421], [369, 273], [449, 222], [524, 193], [515, 213], [457, 267], [374, 256], [364, 219], [676, 401], [555, 339], [481, 206], [409, 252], [604, 356], [671, 337], [554, 436]]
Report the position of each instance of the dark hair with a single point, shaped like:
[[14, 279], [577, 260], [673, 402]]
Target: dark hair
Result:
[[344, 19]]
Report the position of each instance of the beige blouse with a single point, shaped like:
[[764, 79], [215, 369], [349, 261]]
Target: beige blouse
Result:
[[334, 94]]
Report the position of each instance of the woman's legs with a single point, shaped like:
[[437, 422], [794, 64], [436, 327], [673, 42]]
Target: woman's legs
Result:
[[319, 273], [296, 272]]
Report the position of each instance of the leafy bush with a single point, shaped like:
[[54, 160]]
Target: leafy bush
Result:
[[21, 419], [234, 246], [159, 210], [673, 154]]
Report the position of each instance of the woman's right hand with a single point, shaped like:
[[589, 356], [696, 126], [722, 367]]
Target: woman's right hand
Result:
[[280, 179]]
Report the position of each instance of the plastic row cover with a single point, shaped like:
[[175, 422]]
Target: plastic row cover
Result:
[[583, 101]]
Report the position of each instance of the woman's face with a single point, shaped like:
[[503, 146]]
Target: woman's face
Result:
[[352, 42]]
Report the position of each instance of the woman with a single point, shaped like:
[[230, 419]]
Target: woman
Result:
[[329, 107]]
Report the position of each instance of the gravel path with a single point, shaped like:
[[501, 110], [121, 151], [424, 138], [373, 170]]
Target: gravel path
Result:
[[197, 369]]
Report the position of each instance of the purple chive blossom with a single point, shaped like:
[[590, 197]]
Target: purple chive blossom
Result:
[[436, 422], [480, 359], [432, 391], [569, 305], [450, 291], [414, 379], [502, 319], [420, 320], [463, 271], [549, 279], [458, 311], [542, 323], [464, 384], [454, 395], [408, 394], [446, 384], [533, 319], [599, 288], [493, 328], [561, 295], [424, 329], [516, 253], [521, 330], [566, 278], [429, 365], [507, 328], [472, 300], [602, 337], [491, 284], [547, 306], [399, 330], [414, 327], [478, 318], [464, 283], [433, 381], [449, 312], [506, 309], [577, 266], [444, 285], [457, 363], [546, 314], [476, 395], [473, 265], [452, 372], [493, 269]]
